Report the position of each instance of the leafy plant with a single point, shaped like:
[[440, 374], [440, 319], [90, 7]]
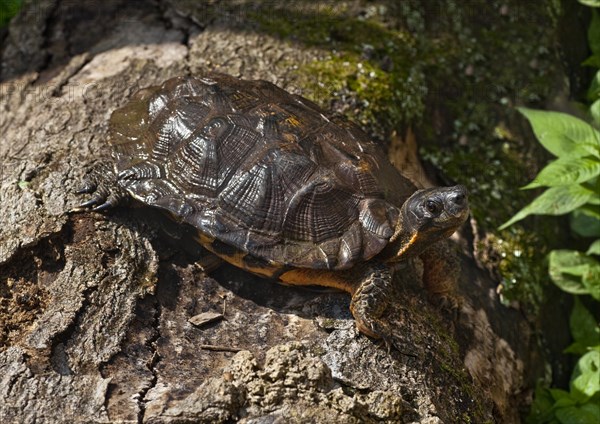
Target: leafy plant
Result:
[[573, 186], [573, 182], [572, 178], [581, 404]]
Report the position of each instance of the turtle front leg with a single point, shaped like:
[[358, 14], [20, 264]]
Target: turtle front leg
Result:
[[103, 186], [441, 272], [370, 300], [108, 189]]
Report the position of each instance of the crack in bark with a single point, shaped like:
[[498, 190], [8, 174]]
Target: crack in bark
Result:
[[186, 42], [154, 360], [71, 72]]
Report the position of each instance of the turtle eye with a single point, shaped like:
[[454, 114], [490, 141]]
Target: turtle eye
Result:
[[432, 206]]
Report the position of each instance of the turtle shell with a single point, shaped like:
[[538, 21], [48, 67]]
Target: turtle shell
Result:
[[258, 170]]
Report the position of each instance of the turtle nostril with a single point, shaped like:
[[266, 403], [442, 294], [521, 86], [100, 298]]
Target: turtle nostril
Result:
[[458, 198]]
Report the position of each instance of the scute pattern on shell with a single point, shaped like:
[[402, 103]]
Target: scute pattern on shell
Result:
[[260, 169]]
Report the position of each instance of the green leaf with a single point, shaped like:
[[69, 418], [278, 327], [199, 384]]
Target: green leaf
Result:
[[595, 201], [554, 201], [586, 376], [542, 407], [576, 415], [584, 328], [570, 284], [590, 210], [558, 261], [563, 135], [575, 270], [576, 348], [590, 3], [592, 61], [594, 248], [561, 397], [584, 223], [591, 279], [594, 409], [565, 171]]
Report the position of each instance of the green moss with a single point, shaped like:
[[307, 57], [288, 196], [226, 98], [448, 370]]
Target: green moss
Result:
[[376, 66], [330, 26], [520, 259], [383, 101], [462, 378], [448, 362]]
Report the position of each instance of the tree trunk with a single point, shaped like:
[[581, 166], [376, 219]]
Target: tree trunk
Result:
[[95, 308]]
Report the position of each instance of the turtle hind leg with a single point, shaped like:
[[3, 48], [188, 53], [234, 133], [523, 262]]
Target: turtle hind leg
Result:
[[441, 273], [105, 191], [370, 299]]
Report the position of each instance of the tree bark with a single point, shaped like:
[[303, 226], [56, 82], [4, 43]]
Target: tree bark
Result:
[[95, 309]]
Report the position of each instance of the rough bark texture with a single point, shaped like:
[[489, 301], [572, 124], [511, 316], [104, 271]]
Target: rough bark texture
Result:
[[95, 309]]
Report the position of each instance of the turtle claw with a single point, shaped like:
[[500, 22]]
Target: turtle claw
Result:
[[102, 198], [87, 187], [449, 303], [99, 197], [104, 206], [377, 330], [101, 201], [387, 340], [86, 205]]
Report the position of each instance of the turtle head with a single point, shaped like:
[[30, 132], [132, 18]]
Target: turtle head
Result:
[[427, 216]]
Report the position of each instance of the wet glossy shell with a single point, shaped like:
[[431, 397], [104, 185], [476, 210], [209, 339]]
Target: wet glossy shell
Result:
[[258, 170]]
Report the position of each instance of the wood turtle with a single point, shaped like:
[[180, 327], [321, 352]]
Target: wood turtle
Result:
[[279, 187]]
